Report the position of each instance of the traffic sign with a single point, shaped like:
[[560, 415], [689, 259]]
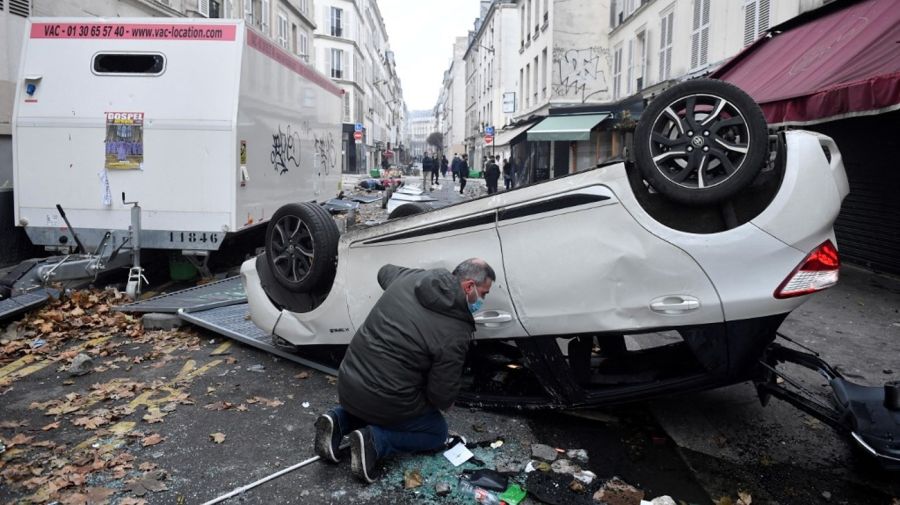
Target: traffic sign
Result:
[[488, 139], [489, 130], [358, 127], [357, 135]]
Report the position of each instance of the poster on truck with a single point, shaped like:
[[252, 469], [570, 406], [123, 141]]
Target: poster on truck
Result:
[[124, 140]]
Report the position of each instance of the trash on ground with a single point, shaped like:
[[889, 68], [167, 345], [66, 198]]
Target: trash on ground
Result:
[[412, 479], [256, 368], [579, 455], [487, 479], [564, 466], [442, 488], [615, 491], [543, 452], [458, 454], [513, 495], [585, 476]]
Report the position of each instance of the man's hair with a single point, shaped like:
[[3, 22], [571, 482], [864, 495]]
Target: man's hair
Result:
[[476, 269]]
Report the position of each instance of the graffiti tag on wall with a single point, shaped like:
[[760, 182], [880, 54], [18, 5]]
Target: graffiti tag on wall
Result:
[[285, 150], [580, 73], [325, 152]]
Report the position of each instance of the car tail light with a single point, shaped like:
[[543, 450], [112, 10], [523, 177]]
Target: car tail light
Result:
[[818, 271]]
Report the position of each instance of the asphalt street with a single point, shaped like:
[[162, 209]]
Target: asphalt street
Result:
[[186, 416]]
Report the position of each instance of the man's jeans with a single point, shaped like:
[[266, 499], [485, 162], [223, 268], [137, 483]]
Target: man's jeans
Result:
[[424, 433]]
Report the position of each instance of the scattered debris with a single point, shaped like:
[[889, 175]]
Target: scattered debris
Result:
[[256, 368], [150, 482], [826, 495], [579, 455], [565, 466], [217, 437], [496, 444], [82, 364], [508, 466], [576, 486], [442, 489], [663, 500], [585, 476], [305, 405], [618, 492], [544, 452], [412, 479], [38, 343], [513, 495], [302, 375], [159, 321]]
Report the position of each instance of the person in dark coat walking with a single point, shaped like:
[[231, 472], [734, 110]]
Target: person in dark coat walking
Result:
[[427, 166], [463, 172], [436, 170], [444, 165], [454, 166], [492, 174], [507, 174], [404, 365]]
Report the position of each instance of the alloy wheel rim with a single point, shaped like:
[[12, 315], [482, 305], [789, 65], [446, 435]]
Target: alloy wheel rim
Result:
[[292, 247], [699, 141]]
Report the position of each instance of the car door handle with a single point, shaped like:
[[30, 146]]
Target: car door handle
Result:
[[674, 304], [492, 318]]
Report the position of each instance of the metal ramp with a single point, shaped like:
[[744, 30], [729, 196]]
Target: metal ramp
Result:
[[208, 296], [233, 321], [19, 304]]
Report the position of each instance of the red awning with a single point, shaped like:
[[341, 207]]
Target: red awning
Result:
[[843, 62]]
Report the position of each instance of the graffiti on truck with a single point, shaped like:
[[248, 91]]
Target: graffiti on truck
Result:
[[325, 152], [285, 150]]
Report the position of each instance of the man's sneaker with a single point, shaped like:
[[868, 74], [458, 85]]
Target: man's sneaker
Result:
[[362, 455], [327, 437]]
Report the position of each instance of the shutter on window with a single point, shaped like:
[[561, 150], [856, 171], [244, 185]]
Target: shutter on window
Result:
[[763, 18], [695, 36], [662, 49], [20, 7], [749, 22]]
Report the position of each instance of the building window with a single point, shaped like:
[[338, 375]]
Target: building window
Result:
[[346, 107], [544, 73], [535, 86], [629, 60], [304, 7], [248, 11], [617, 72], [665, 45], [336, 22], [282, 30], [756, 19], [337, 64], [700, 34], [521, 89], [528, 84], [304, 46], [640, 73], [264, 16], [228, 8], [528, 24], [522, 29]]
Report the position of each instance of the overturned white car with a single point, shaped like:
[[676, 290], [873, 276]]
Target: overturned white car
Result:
[[717, 231]]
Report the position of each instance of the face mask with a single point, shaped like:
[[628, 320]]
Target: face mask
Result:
[[476, 305]]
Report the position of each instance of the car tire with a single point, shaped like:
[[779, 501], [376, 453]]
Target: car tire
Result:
[[301, 246], [409, 209], [713, 147]]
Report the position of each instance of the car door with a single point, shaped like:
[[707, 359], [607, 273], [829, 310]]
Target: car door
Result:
[[576, 262], [437, 239]]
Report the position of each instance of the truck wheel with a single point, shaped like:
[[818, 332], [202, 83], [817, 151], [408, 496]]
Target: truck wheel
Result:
[[301, 246], [408, 209], [701, 141]]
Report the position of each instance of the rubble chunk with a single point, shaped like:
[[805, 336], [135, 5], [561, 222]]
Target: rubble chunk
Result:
[[442, 489], [158, 321], [618, 492], [543, 452], [81, 364], [565, 466], [663, 500], [579, 455], [585, 476]]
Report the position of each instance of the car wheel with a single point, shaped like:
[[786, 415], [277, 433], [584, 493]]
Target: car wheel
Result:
[[701, 141], [301, 246], [409, 209]]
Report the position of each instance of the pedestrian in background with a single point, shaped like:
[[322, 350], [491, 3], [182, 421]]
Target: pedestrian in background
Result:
[[444, 166], [427, 165], [463, 172], [404, 365], [507, 174], [492, 174], [454, 166], [436, 171]]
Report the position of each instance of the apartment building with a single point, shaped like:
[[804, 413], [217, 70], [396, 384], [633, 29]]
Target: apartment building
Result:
[[491, 49], [655, 42], [421, 125]]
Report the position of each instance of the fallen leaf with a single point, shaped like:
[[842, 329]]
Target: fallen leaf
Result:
[[151, 440], [302, 375], [98, 495], [217, 437], [19, 439], [51, 426], [219, 406], [744, 498], [132, 501], [13, 424], [242, 408], [90, 423], [151, 482], [154, 415], [331, 379]]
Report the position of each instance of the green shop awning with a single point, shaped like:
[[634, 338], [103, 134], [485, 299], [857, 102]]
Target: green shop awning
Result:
[[566, 127]]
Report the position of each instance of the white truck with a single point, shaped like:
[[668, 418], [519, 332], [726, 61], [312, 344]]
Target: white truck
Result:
[[207, 124]]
